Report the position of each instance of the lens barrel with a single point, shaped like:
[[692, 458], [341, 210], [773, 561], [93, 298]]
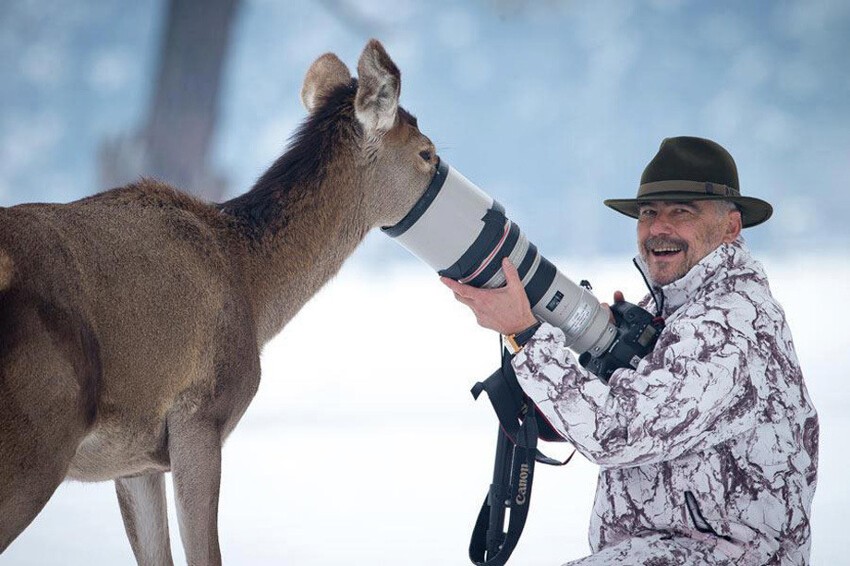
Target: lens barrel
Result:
[[461, 232]]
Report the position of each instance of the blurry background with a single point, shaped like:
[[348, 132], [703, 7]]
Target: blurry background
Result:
[[363, 445]]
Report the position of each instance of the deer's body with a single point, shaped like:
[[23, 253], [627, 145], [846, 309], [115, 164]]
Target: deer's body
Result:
[[148, 276], [131, 322]]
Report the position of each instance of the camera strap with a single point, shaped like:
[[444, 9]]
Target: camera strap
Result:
[[513, 470]]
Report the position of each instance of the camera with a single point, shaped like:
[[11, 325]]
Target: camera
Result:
[[637, 333], [463, 233]]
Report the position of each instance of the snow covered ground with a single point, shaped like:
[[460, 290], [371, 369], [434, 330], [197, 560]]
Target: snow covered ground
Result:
[[363, 445]]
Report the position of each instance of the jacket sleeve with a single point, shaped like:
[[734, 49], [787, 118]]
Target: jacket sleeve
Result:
[[693, 391]]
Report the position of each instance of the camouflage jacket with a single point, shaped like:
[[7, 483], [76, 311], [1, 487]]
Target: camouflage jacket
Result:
[[712, 437]]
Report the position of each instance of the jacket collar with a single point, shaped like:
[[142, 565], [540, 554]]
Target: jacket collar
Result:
[[712, 268]]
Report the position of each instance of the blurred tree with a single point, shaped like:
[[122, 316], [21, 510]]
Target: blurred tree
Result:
[[352, 15], [174, 144]]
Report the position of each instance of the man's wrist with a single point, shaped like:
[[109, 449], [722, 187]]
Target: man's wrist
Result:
[[519, 339]]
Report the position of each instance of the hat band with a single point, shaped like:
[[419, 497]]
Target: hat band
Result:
[[687, 187]]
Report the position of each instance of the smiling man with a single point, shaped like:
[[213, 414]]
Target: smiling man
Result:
[[708, 449]]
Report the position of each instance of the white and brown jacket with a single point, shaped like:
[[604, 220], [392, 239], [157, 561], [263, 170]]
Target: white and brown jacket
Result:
[[712, 437]]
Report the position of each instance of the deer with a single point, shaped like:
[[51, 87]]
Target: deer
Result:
[[132, 321]]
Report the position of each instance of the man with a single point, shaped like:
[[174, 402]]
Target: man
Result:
[[708, 449]]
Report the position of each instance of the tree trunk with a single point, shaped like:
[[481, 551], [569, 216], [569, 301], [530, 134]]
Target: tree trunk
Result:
[[174, 144]]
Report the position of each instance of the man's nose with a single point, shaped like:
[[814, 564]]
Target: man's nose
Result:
[[660, 226]]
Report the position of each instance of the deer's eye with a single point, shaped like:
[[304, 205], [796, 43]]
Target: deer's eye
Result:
[[425, 154]]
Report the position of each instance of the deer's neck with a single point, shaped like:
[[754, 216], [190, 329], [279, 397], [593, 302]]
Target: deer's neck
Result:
[[311, 232]]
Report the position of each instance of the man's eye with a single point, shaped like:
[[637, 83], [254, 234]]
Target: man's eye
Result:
[[646, 213]]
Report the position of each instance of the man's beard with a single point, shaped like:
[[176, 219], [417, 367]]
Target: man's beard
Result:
[[661, 242]]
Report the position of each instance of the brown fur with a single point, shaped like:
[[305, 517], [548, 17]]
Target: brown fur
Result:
[[131, 321]]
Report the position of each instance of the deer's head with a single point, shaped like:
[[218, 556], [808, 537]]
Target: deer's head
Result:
[[394, 160]]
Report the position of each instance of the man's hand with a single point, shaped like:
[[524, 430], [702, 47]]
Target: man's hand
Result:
[[618, 298], [505, 310]]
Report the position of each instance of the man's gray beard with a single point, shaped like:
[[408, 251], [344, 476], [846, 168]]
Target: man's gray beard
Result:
[[659, 241]]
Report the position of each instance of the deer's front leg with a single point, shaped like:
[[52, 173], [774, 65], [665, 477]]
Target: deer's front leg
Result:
[[195, 451], [143, 508]]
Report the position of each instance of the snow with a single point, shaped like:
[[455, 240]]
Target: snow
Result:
[[364, 446]]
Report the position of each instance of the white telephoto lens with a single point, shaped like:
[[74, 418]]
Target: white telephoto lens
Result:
[[462, 233]]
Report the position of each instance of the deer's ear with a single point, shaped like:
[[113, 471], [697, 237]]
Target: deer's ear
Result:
[[379, 84], [325, 74]]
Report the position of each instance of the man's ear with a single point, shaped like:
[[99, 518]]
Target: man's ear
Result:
[[325, 74], [734, 225], [379, 85]]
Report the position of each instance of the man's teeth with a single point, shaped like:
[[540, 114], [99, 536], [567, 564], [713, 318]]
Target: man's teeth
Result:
[[665, 250]]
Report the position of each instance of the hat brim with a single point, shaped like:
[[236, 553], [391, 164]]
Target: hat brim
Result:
[[754, 211]]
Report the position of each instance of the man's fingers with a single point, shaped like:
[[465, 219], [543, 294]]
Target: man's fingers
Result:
[[511, 273], [618, 297], [459, 289], [453, 285], [464, 300]]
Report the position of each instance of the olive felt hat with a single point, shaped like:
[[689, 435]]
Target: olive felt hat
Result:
[[686, 169]]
